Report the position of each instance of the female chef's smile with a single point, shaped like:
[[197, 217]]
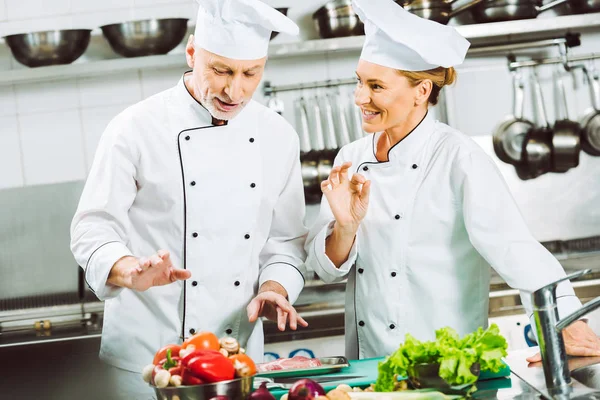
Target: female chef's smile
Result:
[[387, 98], [223, 85]]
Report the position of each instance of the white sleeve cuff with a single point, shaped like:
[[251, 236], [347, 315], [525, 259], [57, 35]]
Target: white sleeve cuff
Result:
[[98, 268], [287, 275], [323, 266]]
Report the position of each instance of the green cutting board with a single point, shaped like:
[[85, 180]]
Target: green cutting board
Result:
[[367, 368]]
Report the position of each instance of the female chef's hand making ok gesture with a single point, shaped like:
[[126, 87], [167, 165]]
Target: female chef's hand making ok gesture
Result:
[[348, 200]]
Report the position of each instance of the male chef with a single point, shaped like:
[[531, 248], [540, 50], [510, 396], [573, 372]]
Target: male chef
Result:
[[191, 218]]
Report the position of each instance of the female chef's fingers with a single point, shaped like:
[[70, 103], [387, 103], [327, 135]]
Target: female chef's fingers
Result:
[[164, 255], [356, 182], [326, 186], [334, 176], [365, 192], [344, 171]]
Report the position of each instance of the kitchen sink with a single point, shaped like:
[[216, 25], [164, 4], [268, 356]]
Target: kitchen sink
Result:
[[589, 374]]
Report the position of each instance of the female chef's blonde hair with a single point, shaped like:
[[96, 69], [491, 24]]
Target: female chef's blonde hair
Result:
[[440, 77]]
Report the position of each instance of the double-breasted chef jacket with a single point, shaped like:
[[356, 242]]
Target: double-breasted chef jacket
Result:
[[439, 215], [226, 201]]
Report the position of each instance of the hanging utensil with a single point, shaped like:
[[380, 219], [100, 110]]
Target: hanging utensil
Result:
[[302, 124], [436, 10], [355, 117], [328, 123], [317, 140], [590, 135], [276, 104], [566, 134], [510, 10], [341, 125], [537, 148], [509, 135]]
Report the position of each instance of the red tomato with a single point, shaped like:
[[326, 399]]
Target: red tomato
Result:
[[162, 353], [203, 340], [244, 359]]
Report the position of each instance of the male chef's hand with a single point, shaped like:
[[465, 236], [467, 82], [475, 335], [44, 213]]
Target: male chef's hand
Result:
[[347, 198], [271, 302], [579, 339], [144, 273]]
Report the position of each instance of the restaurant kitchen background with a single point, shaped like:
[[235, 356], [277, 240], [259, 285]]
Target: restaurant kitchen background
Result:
[[51, 118]]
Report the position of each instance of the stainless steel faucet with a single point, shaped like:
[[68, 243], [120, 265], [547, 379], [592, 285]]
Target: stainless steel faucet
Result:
[[549, 329]]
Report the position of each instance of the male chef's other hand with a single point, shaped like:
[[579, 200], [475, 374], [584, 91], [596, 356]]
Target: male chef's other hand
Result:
[[271, 302], [347, 198], [579, 339], [144, 273]]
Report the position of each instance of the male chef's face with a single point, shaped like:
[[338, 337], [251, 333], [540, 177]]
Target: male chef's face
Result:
[[385, 97], [222, 85]]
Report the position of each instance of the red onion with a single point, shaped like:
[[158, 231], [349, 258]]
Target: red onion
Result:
[[262, 393], [305, 389]]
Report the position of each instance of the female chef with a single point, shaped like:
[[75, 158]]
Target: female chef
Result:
[[424, 211]]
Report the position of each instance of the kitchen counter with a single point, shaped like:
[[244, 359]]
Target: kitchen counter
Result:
[[510, 387]]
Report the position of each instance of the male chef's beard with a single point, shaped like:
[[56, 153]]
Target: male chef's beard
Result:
[[208, 101]]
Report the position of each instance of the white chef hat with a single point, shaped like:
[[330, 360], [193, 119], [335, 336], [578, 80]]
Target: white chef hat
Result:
[[239, 29], [398, 39]]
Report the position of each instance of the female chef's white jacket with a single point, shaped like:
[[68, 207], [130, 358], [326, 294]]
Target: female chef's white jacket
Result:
[[439, 215]]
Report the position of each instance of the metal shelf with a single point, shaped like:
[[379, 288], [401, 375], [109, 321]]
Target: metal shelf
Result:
[[478, 34]]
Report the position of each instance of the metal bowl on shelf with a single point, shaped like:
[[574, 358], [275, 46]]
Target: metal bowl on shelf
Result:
[[284, 11], [39, 49], [338, 19], [233, 389], [146, 37]]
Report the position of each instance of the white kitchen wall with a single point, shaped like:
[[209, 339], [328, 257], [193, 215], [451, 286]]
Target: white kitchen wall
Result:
[[49, 131]]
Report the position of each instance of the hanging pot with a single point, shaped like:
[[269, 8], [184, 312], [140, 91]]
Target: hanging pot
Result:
[[436, 10], [509, 136], [566, 134], [510, 10], [590, 135], [537, 147]]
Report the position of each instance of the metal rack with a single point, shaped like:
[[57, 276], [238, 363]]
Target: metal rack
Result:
[[568, 41]]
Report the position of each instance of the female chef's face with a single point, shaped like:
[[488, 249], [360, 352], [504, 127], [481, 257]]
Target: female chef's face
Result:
[[222, 85], [386, 98]]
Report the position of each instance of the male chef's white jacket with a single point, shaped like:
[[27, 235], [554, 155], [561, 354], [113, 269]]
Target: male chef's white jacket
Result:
[[226, 201], [439, 214]]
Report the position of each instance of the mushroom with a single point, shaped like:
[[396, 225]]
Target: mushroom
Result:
[[224, 352], [230, 344], [147, 373], [175, 380], [161, 379]]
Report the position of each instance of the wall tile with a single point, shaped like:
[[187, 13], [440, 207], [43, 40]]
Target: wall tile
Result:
[[11, 174], [110, 90], [57, 7], [24, 9], [82, 6], [46, 96], [3, 15], [8, 102], [154, 81], [94, 121], [52, 147]]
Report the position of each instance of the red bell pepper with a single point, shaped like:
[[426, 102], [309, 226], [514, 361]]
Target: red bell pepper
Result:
[[212, 367], [187, 378], [196, 353]]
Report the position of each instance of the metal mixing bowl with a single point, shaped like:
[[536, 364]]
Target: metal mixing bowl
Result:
[[145, 38], [284, 11], [338, 19], [49, 47], [234, 389]]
